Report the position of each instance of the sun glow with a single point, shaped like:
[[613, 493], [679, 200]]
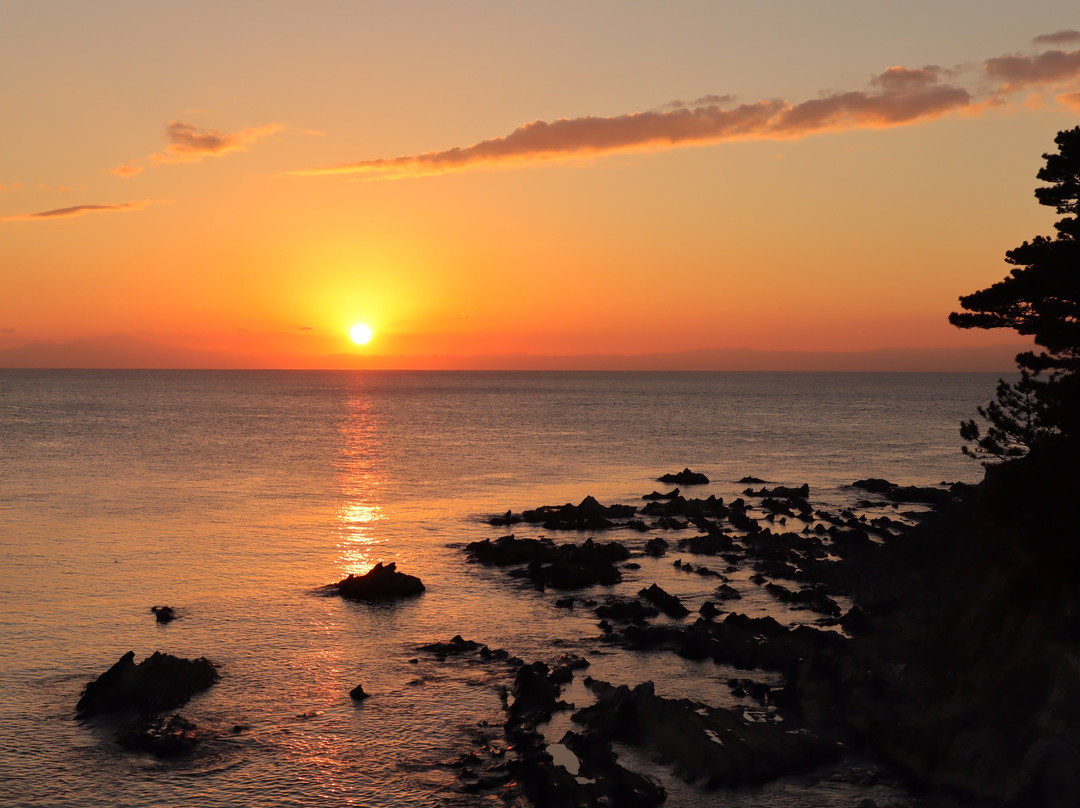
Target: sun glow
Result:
[[361, 334]]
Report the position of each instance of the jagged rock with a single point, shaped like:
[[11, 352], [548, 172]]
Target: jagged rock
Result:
[[781, 492], [160, 682], [164, 614], [673, 494], [656, 547], [358, 693], [684, 477], [709, 610], [812, 598], [381, 582], [727, 592], [624, 609], [667, 603], [564, 566], [709, 544], [589, 514]]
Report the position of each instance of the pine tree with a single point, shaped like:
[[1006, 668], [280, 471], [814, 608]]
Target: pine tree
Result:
[[1039, 298]]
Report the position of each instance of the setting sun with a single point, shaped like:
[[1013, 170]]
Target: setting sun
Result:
[[361, 334]]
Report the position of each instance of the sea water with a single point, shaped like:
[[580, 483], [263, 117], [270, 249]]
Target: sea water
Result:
[[234, 496]]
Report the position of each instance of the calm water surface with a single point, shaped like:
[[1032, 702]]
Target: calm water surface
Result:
[[234, 495]]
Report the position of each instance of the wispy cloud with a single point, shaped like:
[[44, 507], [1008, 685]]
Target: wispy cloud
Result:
[[904, 97], [1018, 72], [1057, 38], [899, 96], [128, 170], [190, 144], [76, 210]]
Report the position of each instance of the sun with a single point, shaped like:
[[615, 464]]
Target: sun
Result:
[[361, 334]]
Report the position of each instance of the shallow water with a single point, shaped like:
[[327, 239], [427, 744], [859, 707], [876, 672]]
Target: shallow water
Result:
[[235, 496]]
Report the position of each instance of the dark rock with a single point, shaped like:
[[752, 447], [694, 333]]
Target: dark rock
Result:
[[667, 603], [709, 610], [751, 481], [874, 485], [564, 566], [813, 598], [727, 592], [164, 614], [381, 582], [673, 494], [507, 518], [624, 609], [158, 683], [718, 748], [684, 477], [586, 515], [564, 603], [612, 784], [358, 694], [562, 669], [781, 492], [710, 544], [457, 646], [656, 547]]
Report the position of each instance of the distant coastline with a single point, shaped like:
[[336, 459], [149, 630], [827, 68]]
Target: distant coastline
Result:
[[131, 353]]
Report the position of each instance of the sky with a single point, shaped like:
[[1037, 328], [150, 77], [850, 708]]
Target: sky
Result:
[[239, 184]]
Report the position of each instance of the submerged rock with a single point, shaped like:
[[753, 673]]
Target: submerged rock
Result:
[[160, 682], [380, 583], [162, 737], [358, 693]]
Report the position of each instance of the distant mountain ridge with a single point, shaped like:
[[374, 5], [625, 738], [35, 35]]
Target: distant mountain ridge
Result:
[[125, 352]]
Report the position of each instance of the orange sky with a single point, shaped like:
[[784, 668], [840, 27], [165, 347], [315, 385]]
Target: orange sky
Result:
[[249, 180]]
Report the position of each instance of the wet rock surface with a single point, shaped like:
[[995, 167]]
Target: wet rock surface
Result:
[[710, 746], [382, 582], [158, 683]]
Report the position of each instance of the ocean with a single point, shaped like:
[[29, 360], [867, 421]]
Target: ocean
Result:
[[235, 496]]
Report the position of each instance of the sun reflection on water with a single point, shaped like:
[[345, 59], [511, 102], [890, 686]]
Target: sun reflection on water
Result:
[[358, 475]]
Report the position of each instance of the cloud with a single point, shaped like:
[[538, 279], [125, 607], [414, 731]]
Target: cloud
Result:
[[905, 99], [705, 100], [899, 96], [190, 144], [1049, 67], [76, 210], [129, 170], [1057, 38], [903, 78], [1069, 100]]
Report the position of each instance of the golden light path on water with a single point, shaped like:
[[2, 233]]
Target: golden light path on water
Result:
[[358, 477]]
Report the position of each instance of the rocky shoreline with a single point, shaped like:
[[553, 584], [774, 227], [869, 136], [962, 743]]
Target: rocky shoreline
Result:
[[955, 666], [945, 646]]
